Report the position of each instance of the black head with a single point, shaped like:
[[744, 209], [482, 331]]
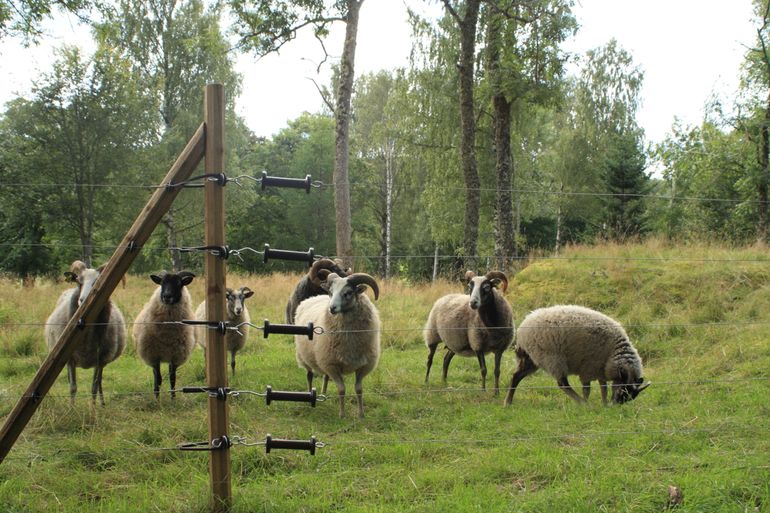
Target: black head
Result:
[[171, 285], [481, 288], [627, 388]]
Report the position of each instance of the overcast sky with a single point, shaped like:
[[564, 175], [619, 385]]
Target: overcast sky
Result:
[[687, 49]]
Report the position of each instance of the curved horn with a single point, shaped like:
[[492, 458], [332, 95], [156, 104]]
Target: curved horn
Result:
[[323, 263], [491, 275], [78, 266], [364, 279]]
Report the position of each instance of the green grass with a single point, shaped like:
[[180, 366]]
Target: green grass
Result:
[[704, 424]]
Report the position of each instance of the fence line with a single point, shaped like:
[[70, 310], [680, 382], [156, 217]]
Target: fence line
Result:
[[721, 430], [529, 258], [706, 382], [333, 185], [320, 330]]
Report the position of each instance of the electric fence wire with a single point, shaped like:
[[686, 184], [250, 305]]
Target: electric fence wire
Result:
[[319, 184], [719, 431], [419, 391]]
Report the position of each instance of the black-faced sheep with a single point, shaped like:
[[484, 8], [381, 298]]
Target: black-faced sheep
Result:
[[237, 313], [102, 343], [172, 343], [568, 340], [351, 339], [310, 285], [472, 324]]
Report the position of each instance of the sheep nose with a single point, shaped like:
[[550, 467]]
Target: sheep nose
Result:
[[237, 311], [474, 304], [333, 309], [167, 298]]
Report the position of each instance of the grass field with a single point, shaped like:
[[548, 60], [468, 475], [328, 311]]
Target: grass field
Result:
[[699, 317]]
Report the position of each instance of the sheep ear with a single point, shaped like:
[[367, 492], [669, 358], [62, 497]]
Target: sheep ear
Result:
[[70, 276], [468, 277], [157, 279], [247, 292], [623, 375]]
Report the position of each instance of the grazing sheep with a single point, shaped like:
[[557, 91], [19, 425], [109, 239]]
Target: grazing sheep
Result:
[[472, 325], [569, 339], [351, 339], [172, 343], [102, 343], [310, 285], [237, 313]]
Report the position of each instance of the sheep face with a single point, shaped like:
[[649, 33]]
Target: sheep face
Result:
[[344, 292], [627, 388], [480, 288], [235, 300], [83, 277], [171, 285]]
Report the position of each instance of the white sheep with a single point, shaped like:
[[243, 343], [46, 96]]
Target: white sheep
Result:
[[172, 343], [237, 313], [472, 324], [350, 342], [573, 340], [102, 342]]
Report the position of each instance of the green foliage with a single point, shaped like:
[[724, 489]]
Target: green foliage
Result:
[[264, 26], [23, 19]]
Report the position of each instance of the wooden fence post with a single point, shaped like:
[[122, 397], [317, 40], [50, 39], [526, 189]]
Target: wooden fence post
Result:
[[116, 267], [216, 361]]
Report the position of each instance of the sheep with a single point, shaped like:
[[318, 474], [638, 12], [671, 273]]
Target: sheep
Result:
[[472, 324], [237, 313], [157, 342], [569, 339], [310, 285], [102, 343], [351, 339]]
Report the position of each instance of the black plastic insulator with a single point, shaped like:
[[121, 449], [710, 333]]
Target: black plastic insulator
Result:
[[291, 183], [293, 397], [295, 256], [295, 445], [220, 392], [287, 329]]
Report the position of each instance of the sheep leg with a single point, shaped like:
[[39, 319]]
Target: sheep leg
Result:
[[604, 391], [498, 357], [447, 358], [157, 379], [172, 378], [431, 352], [526, 367], [309, 380], [232, 361], [340, 392], [483, 367], [326, 383], [73, 382], [586, 389], [564, 385], [360, 394], [96, 385]]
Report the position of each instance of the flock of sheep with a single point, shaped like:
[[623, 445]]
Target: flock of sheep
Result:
[[563, 340]]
